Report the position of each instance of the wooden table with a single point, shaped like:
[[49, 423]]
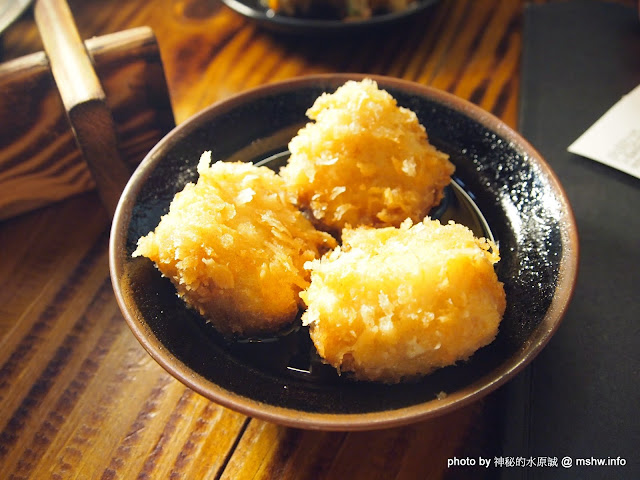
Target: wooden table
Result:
[[79, 396]]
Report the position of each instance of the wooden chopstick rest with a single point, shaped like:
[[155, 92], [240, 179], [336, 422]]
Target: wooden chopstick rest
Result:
[[83, 98], [40, 161]]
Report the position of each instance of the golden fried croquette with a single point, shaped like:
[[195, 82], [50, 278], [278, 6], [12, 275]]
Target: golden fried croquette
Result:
[[396, 303], [365, 161], [234, 245]]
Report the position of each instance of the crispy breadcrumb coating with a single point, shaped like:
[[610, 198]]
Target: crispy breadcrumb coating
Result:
[[365, 161], [234, 245], [397, 303]]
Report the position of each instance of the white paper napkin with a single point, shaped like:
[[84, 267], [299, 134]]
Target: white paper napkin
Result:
[[615, 137]]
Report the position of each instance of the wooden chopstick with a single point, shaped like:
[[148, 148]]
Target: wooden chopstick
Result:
[[83, 98]]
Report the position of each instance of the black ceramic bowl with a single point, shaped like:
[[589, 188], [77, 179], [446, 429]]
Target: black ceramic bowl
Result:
[[263, 16], [501, 183]]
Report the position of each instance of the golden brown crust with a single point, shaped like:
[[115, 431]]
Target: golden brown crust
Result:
[[364, 161], [234, 246], [397, 303]]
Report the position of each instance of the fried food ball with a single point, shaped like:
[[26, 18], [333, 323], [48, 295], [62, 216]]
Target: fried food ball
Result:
[[393, 304], [234, 245], [365, 161]]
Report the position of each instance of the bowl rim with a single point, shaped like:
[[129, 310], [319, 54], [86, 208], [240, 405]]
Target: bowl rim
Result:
[[567, 272]]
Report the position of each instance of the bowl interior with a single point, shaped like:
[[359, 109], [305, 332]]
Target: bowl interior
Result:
[[520, 198]]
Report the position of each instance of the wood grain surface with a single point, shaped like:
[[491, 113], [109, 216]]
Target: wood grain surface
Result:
[[40, 161], [80, 398]]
